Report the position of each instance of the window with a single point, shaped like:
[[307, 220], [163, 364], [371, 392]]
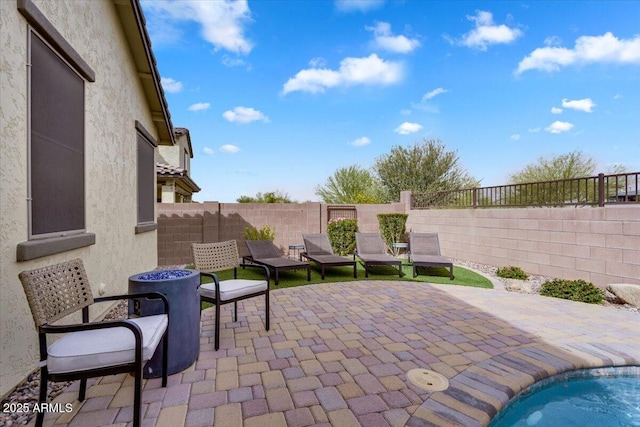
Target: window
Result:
[[146, 175], [56, 77], [57, 144]]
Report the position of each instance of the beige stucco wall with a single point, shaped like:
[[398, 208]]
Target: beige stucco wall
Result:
[[113, 102], [599, 244]]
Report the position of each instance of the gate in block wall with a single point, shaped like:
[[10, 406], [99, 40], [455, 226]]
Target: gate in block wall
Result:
[[341, 212]]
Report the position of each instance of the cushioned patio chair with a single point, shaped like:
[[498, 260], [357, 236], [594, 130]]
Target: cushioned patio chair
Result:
[[424, 251], [371, 250], [211, 257], [89, 349], [318, 249], [264, 252]]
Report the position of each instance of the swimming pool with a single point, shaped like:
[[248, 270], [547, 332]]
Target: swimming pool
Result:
[[595, 397]]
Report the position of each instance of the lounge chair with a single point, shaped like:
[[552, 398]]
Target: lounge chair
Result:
[[211, 257], [318, 249], [371, 250], [425, 252], [264, 252]]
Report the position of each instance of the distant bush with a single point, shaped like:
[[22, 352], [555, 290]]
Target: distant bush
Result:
[[264, 233], [392, 227], [574, 290], [342, 234], [512, 272]]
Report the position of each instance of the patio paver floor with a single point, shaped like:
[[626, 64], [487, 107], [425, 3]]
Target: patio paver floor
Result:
[[337, 354]]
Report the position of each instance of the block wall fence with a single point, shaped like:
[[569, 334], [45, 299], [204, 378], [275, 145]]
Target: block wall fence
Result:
[[597, 244]]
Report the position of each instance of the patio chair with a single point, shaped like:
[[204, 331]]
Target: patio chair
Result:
[[264, 252], [371, 250], [424, 251], [89, 349], [211, 257], [318, 249]]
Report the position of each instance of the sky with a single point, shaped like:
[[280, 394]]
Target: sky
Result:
[[278, 95]]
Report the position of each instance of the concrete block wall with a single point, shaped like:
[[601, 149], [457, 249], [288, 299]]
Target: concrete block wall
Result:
[[600, 245], [181, 224]]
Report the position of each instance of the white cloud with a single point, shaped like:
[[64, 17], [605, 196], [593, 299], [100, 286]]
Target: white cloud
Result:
[[515, 137], [486, 32], [617, 96], [559, 127], [585, 105], [317, 62], [244, 115], [588, 49], [170, 85], [230, 62], [361, 141], [535, 130], [433, 93], [556, 110], [405, 112], [353, 71], [199, 106], [552, 41], [207, 150], [385, 40], [358, 5], [228, 148], [222, 22], [406, 128]]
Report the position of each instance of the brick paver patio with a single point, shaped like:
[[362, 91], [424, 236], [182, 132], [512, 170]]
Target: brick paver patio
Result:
[[337, 355]]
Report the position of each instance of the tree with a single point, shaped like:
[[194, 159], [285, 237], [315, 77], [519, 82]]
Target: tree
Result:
[[351, 185], [565, 166], [423, 168], [571, 165], [268, 197]]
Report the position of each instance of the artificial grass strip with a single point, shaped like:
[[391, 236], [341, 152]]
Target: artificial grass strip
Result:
[[293, 278]]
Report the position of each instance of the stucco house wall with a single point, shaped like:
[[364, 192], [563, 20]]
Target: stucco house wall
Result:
[[112, 105]]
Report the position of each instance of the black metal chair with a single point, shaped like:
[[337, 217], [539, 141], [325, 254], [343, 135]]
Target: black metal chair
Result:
[[87, 349], [211, 257]]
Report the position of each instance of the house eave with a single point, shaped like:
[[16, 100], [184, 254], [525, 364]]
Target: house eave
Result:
[[133, 24]]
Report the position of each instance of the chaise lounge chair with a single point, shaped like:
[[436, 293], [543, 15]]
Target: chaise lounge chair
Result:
[[318, 249], [371, 250], [425, 252], [264, 252]]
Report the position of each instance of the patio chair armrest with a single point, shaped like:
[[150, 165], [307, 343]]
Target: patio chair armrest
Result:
[[76, 327], [147, 295], [263, 267]]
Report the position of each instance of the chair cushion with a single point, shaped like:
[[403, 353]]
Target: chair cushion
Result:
[[84, 350], [234, 288]]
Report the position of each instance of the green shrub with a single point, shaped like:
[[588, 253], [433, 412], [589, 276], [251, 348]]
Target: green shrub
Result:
[[574, 290], [512, 272], [392, 227], [342, 234], [264, 233]]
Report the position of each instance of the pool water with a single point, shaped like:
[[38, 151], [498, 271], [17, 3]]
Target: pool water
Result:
[[580, 402]]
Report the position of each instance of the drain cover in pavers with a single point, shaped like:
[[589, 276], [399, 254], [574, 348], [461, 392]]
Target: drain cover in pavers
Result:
[[427, 380]]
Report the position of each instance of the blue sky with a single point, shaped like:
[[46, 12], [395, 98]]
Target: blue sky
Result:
[[278, 95]]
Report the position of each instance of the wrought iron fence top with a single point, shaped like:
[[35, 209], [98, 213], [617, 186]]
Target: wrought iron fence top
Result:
[[596, 190]]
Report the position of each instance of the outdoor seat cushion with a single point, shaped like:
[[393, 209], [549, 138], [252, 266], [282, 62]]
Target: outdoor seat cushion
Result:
[[233, 288], [84, 350]]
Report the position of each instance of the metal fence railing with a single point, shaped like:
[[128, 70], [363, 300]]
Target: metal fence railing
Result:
[[341, 212], [597, 190]]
